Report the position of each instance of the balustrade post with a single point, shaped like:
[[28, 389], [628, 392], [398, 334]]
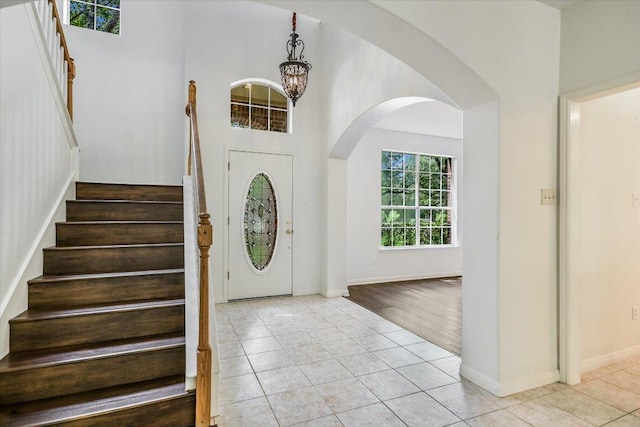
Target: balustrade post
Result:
[[203, 379]]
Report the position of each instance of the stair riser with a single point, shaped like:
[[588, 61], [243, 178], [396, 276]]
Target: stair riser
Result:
[[75, 234], [97, 327], [97, 191], [88, 375], [112, 259], [83, 292], [176, 412], [123, 211]]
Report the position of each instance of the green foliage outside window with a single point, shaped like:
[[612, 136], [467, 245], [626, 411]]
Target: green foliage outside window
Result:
[[416, 199], [100, 15]]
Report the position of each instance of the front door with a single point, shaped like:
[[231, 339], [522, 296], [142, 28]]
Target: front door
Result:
[[260, 225]]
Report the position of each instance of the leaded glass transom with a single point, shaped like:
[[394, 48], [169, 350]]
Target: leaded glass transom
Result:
[[260, 221]]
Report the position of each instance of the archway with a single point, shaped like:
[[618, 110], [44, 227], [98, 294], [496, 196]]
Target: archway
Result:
[[481, 129]]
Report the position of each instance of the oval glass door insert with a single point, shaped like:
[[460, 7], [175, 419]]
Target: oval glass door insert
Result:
[[260, 221]]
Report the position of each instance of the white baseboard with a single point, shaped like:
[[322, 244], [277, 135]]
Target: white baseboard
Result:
[[606, 359], [306, 291], [510, 387], [372, 280], [335, 293]]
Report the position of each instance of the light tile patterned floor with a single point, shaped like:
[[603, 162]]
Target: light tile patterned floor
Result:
[[314, 361]]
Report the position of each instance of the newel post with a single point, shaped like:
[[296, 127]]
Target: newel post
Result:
[[203, 380]]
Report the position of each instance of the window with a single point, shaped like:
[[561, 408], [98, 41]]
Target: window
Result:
[[100, 15], [257, 106], [417, 199]]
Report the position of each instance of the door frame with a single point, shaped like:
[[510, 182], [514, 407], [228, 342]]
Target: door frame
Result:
[[569, 260], [225, 237]]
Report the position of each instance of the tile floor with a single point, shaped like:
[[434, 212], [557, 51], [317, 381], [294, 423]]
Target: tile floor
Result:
[[314, 361]]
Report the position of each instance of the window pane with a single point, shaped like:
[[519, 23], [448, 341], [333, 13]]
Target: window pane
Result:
[[424, 197], [424, 180], [385, 163], [398, 237], [436, 236], [259, 118], [410, 180], [385, 199], [239, 116], [385, 178], [110, 3], [278, 121], [108, 20], [410, 197], [278, 100], [446, 236], [446, 198], [240, 94], [425, 218], [445, 182], [397, 217], [385, 217], [410, 217], [397, 198], [424, 163], [386, 237], [259, 95], [410, 236], [396, 160], [397, 179], [435, 164], [434, 198], [425, 236], [81, 15], [409, 161], [434, 181]]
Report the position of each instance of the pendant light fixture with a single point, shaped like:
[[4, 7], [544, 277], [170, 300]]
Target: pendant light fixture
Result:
[[295, 70]]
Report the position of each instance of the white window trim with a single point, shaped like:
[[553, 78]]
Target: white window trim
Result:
[[66, 18], [453, 208]]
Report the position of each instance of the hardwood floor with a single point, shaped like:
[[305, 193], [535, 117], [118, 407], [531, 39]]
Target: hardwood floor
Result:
[[431, 309]]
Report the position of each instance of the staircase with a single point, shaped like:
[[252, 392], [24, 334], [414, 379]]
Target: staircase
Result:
[[102, 343]]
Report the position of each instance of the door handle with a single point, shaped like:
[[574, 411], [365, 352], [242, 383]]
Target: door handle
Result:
[[289, 231]]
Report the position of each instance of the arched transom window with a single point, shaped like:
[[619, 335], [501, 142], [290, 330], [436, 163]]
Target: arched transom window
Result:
[[259, 106]]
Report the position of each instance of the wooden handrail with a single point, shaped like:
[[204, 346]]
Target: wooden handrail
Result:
[[71, 66], [205, 240]]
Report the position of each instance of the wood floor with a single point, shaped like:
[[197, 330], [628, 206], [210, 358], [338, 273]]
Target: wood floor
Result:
[[431, 309]]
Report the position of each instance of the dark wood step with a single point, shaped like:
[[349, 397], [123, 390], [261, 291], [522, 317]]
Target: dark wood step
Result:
[[48, 292], [31, 376], [93, 233], [161, 402], [109, 259], [117, 210], [35, 329], [103, 191]]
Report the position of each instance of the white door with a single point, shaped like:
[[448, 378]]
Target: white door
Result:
[[260, 225]]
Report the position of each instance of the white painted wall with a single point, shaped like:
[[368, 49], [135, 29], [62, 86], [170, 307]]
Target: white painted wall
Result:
[[38, 158], [367, 263], [610, 226], [130, 94], [600, 42]]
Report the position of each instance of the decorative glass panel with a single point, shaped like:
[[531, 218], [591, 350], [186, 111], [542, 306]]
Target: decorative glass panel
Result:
[[260, 221]]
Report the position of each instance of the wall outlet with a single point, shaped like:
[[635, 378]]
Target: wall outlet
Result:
[[634, 312], [635, 200], [548, 196]]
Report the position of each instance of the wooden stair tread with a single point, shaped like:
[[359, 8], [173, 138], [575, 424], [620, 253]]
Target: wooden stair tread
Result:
[[137, 245], [108, 191], [37, 315], [125, 201], [38, 359], [83, 405], [67, 277], [117, 222]]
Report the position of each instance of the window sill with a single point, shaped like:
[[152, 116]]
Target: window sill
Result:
[[416, 248]]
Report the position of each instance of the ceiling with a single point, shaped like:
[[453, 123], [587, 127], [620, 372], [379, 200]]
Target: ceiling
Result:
[[427, 118]]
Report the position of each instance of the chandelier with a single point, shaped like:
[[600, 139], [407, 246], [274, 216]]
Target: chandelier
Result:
[[295, 70]]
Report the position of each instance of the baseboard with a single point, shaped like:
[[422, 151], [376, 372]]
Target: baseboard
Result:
[[15, 301], [373, 280], [335, 293], [510, 387], [606, 359], [306, 291]]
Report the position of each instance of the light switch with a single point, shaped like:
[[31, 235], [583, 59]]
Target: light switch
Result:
[[548, 196]]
